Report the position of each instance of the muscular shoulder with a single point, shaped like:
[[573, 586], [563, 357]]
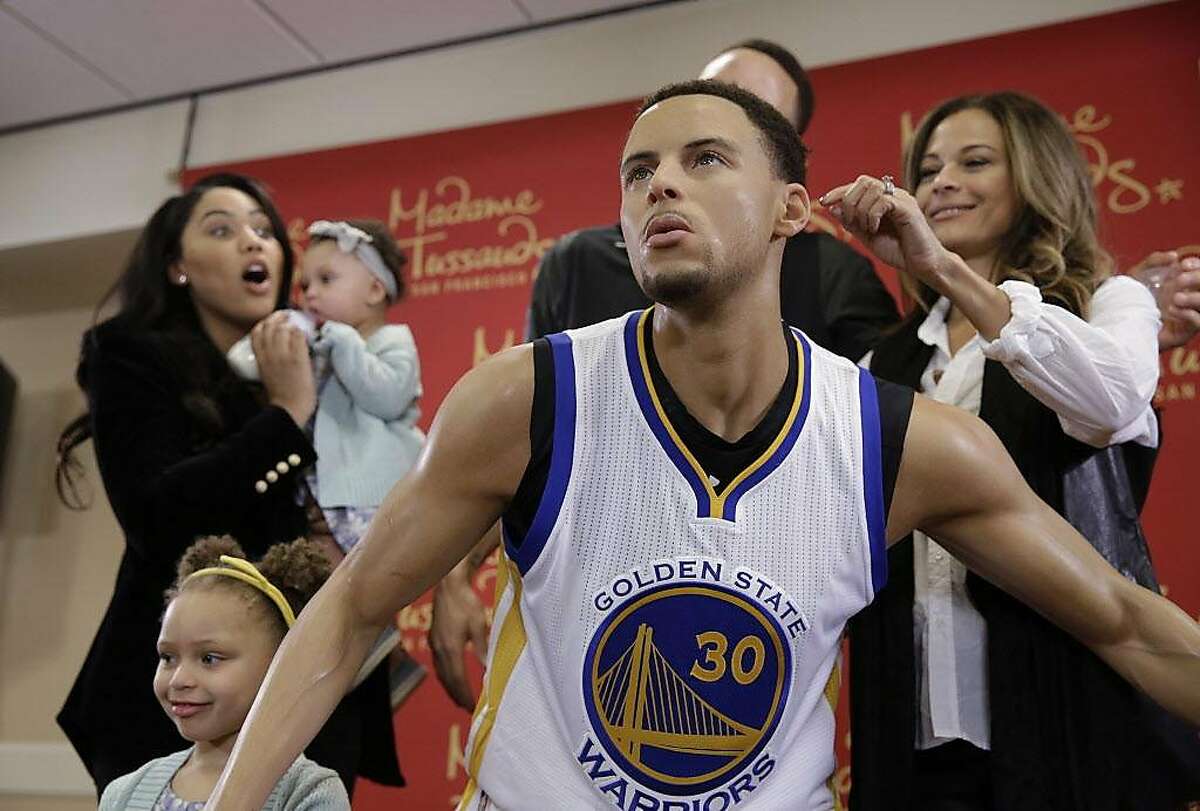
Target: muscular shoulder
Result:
[[482, 427], [947, 435], [952, 463], [503, 381]]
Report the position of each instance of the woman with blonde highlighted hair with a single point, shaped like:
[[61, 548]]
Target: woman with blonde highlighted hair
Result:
[[1051, 240], [962, 698]]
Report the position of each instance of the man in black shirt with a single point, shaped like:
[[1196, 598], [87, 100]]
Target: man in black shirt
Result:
[[827, 289]]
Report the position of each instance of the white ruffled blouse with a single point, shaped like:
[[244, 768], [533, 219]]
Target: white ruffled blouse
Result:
[[1099, 376]]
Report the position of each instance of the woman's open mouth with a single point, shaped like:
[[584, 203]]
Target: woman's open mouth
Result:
[[257, 278]]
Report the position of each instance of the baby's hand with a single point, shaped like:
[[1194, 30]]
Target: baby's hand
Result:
[[332, 332]]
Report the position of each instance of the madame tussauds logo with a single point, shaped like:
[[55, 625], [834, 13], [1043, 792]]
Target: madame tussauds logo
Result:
[[684, 685], [452, 204]]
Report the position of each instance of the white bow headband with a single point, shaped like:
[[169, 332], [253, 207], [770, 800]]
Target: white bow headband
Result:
[[358, 242]]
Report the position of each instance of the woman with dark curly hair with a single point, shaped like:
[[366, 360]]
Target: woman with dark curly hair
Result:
[[186, 449], [961, 696]]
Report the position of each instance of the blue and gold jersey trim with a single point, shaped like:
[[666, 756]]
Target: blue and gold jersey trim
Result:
[[525, 553], [868, 398], [509, 646], [708, 503]]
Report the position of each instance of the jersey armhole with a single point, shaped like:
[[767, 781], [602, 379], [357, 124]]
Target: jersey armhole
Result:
[[536, 504], [872, 470], [895, 409], [886, 409]]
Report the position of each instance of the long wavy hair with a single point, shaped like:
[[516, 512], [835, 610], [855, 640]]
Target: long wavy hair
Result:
[[165, 314], [1053, 242]]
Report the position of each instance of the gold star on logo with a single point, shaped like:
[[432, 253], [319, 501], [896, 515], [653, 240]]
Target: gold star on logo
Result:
[[1169, 190]]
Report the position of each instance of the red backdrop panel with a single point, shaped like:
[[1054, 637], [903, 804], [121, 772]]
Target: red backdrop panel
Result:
[[475, 208]]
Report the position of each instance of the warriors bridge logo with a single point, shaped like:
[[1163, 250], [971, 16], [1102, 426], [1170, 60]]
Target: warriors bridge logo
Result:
[[684, 685]]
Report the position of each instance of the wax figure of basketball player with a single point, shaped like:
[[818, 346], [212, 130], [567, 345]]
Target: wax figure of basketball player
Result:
[[664, 630], [826, 289]]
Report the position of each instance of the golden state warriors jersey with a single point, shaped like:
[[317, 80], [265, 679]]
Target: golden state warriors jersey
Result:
[[658, 644]]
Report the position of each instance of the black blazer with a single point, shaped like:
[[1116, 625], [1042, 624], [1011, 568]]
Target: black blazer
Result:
[[178, 464]]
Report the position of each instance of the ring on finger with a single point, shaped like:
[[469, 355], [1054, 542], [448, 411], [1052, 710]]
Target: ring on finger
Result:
[[889, 185]]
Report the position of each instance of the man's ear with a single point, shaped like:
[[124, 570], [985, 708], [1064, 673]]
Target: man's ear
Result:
[[795, 210]]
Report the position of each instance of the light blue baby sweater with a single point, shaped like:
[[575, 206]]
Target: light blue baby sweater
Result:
[[365, 432]]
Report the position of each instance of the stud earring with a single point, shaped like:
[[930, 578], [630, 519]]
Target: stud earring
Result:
[[182, 279]]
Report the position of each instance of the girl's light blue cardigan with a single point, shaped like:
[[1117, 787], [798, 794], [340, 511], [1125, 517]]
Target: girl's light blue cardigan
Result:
[[305, 786]]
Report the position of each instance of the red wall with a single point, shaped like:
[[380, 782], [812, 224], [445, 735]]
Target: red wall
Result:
[[475, 208]]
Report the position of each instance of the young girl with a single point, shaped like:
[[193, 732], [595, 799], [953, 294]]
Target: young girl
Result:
[[225, 617]]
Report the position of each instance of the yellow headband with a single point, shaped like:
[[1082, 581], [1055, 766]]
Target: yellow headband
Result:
[[244, 570]]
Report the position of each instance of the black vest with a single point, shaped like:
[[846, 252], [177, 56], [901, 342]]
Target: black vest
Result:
[[1066, 731]]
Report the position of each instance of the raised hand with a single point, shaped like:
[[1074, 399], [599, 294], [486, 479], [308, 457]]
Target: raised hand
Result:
[[281, 350], [1176, 287], [889, 222]]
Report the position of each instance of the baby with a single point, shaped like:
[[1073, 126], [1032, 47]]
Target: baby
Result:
[[364, 428], [368, 376]]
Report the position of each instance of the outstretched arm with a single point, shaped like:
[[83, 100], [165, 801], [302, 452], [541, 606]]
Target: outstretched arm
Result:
[[958, 485], [474, 459]]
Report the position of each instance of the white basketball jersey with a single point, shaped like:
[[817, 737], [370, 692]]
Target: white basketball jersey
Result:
[[661, 644]]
